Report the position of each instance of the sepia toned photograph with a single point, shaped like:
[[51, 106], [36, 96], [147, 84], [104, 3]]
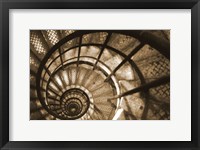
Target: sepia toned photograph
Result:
[[99, 74]]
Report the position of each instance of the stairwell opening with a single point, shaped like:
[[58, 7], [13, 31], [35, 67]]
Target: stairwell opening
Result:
[[99, 74]]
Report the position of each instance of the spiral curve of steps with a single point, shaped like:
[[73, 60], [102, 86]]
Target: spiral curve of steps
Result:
[[99, 75]]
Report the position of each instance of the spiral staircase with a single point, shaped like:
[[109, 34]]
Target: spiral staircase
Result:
[[99, 75]]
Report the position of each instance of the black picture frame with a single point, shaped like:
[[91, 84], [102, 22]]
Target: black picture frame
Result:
[[5, 5]]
